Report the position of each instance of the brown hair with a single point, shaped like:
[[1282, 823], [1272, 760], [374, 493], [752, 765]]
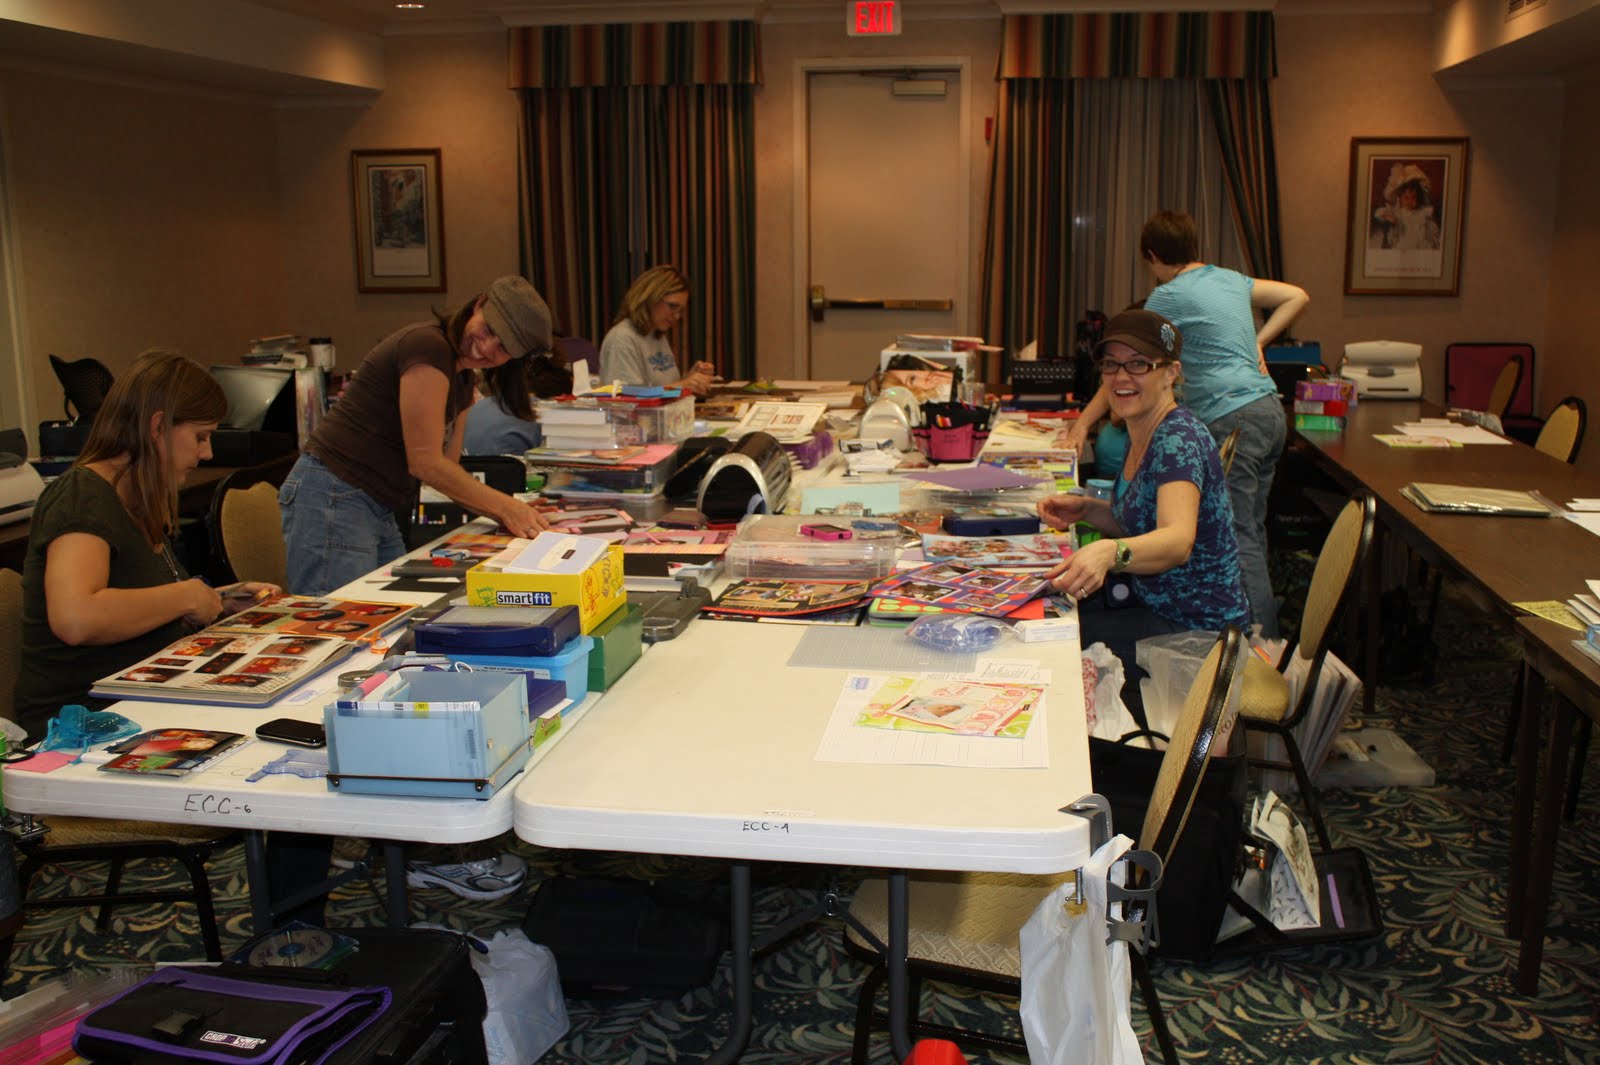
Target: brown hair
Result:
[[647, 290], [160, 382], [1171, 237]]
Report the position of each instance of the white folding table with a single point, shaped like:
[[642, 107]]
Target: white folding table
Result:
[[707, 748]]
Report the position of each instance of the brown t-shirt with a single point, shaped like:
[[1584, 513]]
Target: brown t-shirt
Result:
[[361, 439]]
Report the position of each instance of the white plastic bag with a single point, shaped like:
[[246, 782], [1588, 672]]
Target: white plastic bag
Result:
[[1109, 717], [1075, 985], [527, 1013]]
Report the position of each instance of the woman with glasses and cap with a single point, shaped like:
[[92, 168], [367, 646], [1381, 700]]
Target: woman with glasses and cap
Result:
[[636, 351], [399, 422], [1169, 522]]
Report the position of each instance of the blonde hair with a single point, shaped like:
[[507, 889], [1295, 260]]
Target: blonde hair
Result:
[[647, 290], [160, 382]]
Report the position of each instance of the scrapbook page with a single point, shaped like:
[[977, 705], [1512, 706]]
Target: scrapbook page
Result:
[[252, 657], [775, 597], [961, 707], [170, 752], [962, 588], [1023, 551]]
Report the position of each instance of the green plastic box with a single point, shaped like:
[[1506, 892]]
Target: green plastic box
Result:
[[617, 642]]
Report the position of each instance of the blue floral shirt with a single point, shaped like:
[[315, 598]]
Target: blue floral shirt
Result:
[[1205, 592]]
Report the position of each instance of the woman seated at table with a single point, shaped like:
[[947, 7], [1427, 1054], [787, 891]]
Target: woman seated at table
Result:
[[101, 585], [1169, 523], [636, 350]]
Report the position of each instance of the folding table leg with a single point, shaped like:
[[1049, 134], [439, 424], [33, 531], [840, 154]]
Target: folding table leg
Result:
[[743, 975], [1542, 870]]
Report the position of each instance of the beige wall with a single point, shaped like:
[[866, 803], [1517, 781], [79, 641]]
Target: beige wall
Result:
[[443, 92], [1341, 77], [207, 220], [142, 217], [1571, 354]]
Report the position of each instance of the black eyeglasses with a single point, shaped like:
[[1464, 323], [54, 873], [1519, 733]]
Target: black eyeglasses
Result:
[[1137, 366]]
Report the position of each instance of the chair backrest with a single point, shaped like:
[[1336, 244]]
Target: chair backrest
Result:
[[246, 525], [1472, 368], [10, 637], [1205, 720], [1562, 433], [1230, 445], [252, 534], [1505, 387], [85, 383]]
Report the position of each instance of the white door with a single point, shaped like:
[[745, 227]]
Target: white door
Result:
[[887, 215]]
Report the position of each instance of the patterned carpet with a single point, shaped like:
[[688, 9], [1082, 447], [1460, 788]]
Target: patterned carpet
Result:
[[1437, 987]]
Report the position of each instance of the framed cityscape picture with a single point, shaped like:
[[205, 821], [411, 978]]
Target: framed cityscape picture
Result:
[[1407, 205], [399, 216]]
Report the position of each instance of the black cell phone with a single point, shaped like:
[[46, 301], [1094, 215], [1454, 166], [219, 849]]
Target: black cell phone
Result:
[[289, 730]]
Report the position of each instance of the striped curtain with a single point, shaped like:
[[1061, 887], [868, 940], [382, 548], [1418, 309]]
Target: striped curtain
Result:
[[637, 148], [1119, 135]]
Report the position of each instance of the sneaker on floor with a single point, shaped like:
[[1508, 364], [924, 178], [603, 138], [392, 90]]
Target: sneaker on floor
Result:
[[486, 878]]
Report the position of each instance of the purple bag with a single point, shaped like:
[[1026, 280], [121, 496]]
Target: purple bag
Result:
[[190, 1015]]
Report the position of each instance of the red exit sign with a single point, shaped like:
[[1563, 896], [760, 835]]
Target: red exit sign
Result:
[[872, 18]]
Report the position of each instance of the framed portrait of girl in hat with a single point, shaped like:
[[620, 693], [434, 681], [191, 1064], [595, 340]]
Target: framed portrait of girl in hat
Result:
[[1404, 229]]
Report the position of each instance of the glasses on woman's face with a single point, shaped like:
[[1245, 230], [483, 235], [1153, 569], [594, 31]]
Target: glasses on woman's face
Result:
[[1138, 366], [678, 307]]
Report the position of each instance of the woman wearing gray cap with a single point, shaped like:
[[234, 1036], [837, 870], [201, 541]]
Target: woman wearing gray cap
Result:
[[400, 421]]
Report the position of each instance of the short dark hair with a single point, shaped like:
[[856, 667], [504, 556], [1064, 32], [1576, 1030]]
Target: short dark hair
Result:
[[1171, 237]]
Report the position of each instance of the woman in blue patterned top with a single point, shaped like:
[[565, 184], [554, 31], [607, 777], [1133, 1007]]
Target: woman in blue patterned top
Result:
[[1169, 525]]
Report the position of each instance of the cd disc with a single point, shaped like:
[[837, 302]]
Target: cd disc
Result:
[[301, 948]]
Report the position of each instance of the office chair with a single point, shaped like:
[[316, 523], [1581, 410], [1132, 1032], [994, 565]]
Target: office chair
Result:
[[94, 839], [1562, 433], [964, 926], [1266, 705], [85, 383], [246, 526]]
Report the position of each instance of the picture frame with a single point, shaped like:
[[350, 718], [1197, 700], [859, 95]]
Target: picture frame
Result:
[[1408, 200], [399, 219]]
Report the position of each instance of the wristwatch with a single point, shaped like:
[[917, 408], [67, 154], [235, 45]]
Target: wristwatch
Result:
[[1124, 557]]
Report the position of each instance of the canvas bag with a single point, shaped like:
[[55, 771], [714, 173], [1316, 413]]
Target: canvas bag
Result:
[[1076, 985], [179, 1015]]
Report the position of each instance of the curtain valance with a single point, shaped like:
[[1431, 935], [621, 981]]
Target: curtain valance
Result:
[[635, 53], [1226, 44]]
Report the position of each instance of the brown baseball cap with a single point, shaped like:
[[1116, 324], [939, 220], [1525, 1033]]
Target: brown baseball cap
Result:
[[518, 315], [1145, 332]]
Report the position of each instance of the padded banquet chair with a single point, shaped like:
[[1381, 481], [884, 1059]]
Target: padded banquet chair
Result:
[[964, 926], [1266, 705], [247, 526], [79, 840], [1562, 433], [1505, 387]]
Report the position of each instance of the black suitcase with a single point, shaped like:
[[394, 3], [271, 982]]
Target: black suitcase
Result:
[[436, 1016]]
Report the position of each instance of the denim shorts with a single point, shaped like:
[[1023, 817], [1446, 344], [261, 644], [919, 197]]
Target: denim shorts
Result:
[[333, 534]]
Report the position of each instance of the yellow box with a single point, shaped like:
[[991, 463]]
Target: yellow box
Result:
[[555, 569]]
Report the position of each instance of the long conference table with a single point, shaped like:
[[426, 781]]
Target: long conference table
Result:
[[706, 747], [1501, 561]]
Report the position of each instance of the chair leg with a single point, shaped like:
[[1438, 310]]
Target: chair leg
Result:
[[194, 859], [1580, 755], [1306, 792], [1152, 1006], [113, 883], [866, 1007]]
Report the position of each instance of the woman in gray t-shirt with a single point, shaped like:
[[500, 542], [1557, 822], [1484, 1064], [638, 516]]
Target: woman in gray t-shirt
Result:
[[636, 350]]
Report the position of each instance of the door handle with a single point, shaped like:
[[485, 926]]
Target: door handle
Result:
[[821, 302]]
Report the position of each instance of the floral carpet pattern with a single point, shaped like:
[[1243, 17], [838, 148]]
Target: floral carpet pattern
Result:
[[1436, 987]]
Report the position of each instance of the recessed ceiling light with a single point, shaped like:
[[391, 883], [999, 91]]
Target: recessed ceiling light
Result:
[[411, 7]]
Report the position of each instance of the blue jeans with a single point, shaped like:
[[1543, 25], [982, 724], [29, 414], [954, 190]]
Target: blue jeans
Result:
[[332, 533], [1262, 431]]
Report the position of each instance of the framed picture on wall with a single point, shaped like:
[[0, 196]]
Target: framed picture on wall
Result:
[[399, 214], [1407, 203]]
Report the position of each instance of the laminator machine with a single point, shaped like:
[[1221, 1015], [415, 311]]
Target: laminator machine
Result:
[[1384, 369]]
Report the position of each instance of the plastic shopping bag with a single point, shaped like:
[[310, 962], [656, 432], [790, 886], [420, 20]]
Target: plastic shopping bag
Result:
[[1075, 985], [1109, 718], [527, 1014]]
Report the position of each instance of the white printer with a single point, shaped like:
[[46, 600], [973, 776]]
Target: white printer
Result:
[[20, 485], [1384, 369]]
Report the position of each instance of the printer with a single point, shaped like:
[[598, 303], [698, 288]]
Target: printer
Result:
[[1384, 369], [20, 483]]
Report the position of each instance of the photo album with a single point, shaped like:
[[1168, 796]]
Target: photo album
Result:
[[170, 752], [252, 657]]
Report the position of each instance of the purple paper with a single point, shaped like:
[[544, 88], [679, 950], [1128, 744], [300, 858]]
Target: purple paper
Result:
[[980, 478]]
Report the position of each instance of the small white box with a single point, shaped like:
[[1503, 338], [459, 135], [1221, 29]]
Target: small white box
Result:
[[1060, 622]]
